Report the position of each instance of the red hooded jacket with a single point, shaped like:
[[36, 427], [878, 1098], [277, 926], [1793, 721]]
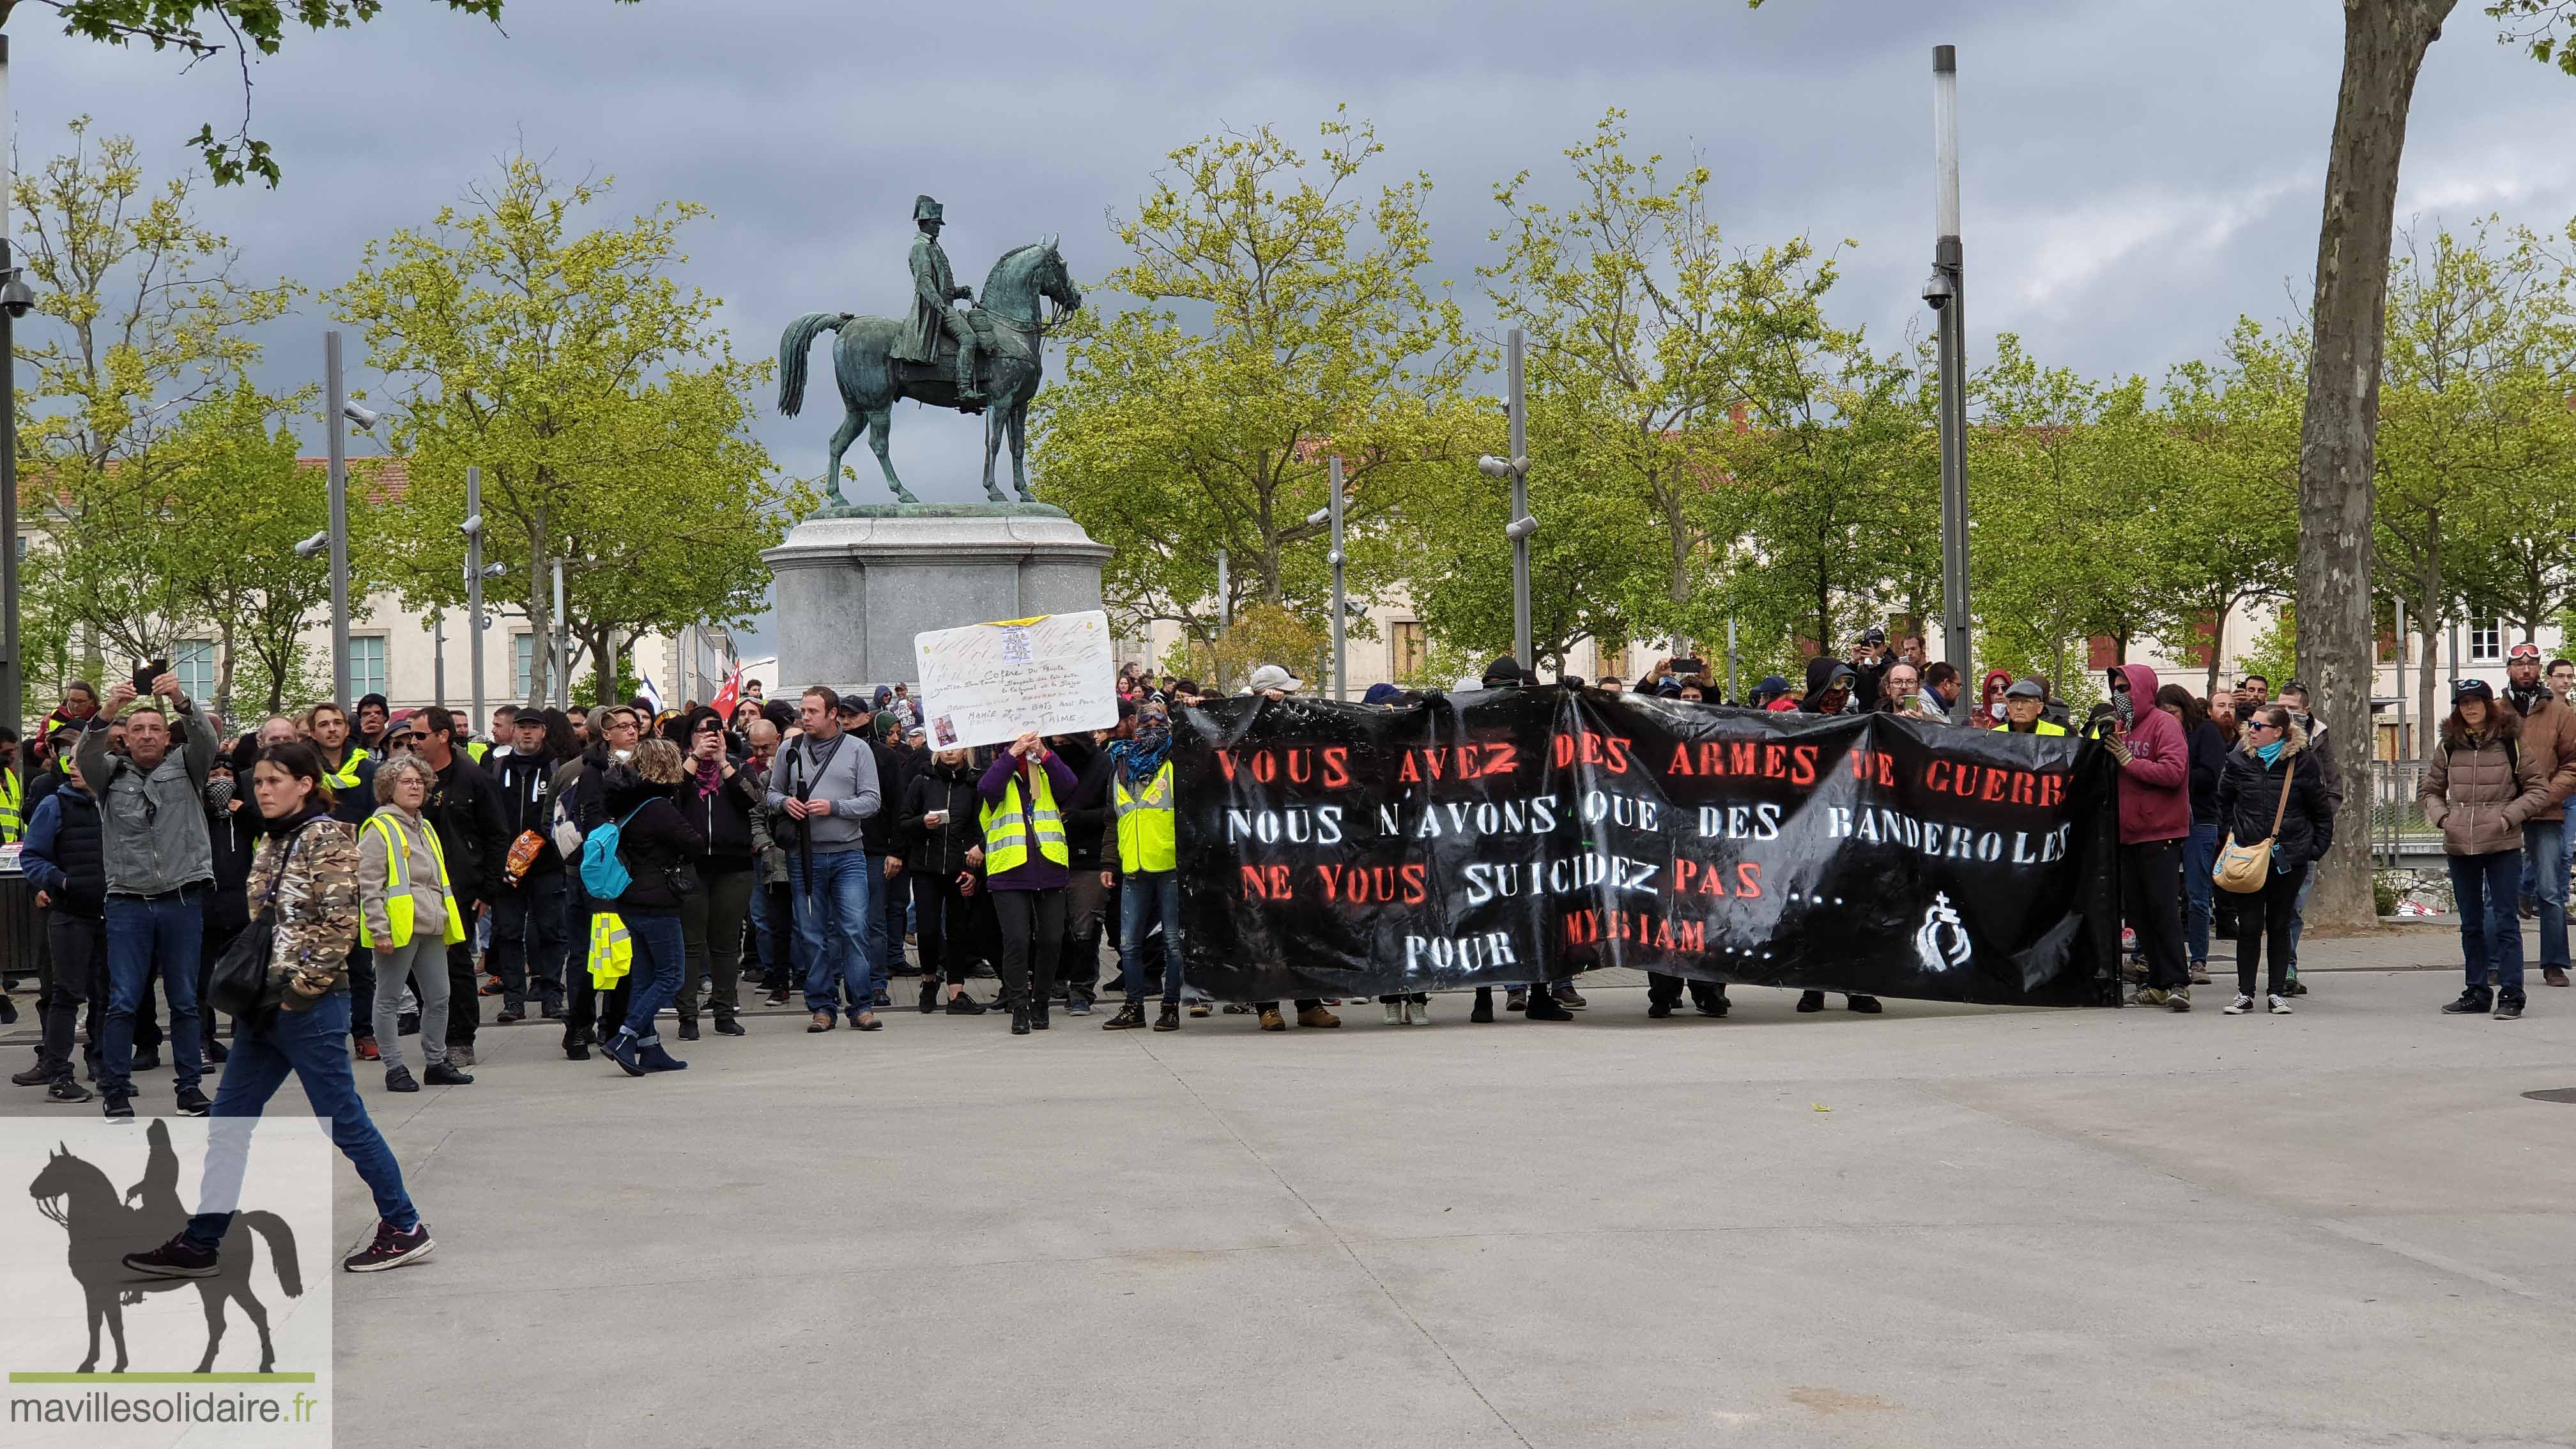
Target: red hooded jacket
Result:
[[2155, 786]]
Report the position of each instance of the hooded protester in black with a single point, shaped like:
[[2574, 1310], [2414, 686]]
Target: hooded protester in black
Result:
[[1823, 676]]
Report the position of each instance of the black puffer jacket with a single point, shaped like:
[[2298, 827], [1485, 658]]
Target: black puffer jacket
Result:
[[941, 851], [79, 854], [526, 787], [658, 843], [2249, 791]]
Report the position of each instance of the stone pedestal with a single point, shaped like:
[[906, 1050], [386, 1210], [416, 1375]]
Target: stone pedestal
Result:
[[853, 584]]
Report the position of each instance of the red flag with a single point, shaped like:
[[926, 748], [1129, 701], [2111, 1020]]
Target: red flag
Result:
[[729, 695]]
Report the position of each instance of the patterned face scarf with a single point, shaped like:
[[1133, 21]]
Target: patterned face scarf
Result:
[[1145, 754]]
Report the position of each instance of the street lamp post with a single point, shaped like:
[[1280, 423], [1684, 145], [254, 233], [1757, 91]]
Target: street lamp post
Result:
[[14, 301], [1522, 525], [339, 451], [1332, 512], [562, 643], [473, 530], [1946, 294]]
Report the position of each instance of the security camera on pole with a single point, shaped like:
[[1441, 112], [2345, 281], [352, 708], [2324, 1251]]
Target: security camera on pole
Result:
[[1945, 293], [341, 411], [1522, 525], [15, 299]]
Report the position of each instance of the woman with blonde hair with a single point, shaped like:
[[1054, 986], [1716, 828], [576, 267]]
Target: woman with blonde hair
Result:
[[656, 842], [408, 917]]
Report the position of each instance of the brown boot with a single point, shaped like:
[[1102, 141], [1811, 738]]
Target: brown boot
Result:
[[1270, 1019], [1317, 1016], [822, 1022]]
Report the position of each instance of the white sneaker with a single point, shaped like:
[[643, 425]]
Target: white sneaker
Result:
[[2239, 1006], [1395, 1013], [1421, 1012], [2280, 1006]]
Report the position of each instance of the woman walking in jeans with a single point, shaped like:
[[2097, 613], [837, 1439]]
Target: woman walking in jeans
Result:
[[657, 843], [2250, 798], [2479, 787], [408, 917], [305, 870]]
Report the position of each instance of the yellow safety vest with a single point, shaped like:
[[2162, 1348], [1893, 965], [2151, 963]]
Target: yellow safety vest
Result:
[[1006, 832], [13, 794], [612, 954], [346, 777], [1145, 839], [476, 750], [398, 903], [2038, 727]]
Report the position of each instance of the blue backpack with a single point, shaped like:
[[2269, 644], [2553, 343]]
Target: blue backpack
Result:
[[603, 870]]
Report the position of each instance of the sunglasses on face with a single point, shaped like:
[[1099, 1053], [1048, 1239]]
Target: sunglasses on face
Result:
[[2262, 724]]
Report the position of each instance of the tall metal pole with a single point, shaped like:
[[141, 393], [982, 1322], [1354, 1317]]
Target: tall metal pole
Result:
[[474, 620], [1341, 675], [1224, 600], [438, 658], [1734, 691], [13, 680], [563, 644], [1953, 329], [1522, 526], [337, 400]]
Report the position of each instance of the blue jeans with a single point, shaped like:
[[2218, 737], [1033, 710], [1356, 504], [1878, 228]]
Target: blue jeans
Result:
[[2482, 893], [145, 937], [2544, 854], [312, 1044], [661, 960], [883, 948], [832, 930], [2199, 858], [1145, 897]]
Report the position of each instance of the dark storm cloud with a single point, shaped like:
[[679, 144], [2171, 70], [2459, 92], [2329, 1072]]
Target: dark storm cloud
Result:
[[2135, 175]]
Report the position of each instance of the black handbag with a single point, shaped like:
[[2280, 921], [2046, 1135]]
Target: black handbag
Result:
[[239, 980]]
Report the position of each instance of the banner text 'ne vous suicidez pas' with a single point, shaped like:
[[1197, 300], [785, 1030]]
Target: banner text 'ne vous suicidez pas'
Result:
[[1499, 837]]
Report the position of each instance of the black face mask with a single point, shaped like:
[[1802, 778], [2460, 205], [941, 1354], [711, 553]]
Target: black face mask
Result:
[[2126, 708]]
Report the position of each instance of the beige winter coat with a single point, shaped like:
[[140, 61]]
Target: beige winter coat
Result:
[[2479, 789], [2549, 741]]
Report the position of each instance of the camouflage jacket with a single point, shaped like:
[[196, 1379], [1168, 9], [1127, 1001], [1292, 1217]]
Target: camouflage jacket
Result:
[[316, 905]]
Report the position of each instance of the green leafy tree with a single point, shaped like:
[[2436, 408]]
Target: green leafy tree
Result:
[[203, 30], [1310, 333], [2226, 529], [609, 415]]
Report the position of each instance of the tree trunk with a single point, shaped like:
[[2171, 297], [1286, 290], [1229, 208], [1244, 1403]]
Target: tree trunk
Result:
[[2384, 44], [2428, 622], [2217, 648], [224, 676]]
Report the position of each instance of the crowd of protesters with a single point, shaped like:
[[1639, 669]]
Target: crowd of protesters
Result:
[[607, 869]]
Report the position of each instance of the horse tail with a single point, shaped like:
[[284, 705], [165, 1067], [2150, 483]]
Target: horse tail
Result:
[[793, 344], [281, 1249]]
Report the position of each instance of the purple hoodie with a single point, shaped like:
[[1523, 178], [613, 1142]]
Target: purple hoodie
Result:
[[2155, 786], [1039, 873]]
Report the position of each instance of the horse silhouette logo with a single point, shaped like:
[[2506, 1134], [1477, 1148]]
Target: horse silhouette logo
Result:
[[104, 1226]]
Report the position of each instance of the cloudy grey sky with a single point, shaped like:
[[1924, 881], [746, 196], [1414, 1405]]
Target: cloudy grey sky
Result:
[[2135, 175]]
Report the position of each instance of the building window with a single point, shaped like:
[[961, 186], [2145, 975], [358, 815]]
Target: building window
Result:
[[367, 665], [523, 664], [1408, 649], [193, 661], [2486, 640]]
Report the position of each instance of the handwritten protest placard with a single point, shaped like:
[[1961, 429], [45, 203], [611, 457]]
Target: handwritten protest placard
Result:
[[986, 684]]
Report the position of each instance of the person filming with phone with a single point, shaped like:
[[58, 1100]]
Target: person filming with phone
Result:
[[159, 861]]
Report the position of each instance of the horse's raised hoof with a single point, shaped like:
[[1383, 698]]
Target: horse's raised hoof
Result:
[[904, 495]]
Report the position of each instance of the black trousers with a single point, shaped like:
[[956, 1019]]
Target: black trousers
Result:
[[711, 928], [954, 931], [779, 910], [1086, 906], [1032, 925], [361, 972], [464, 989], [1668, 989], [2266, 916], [76, 979], [2151, 892], [210, 949]]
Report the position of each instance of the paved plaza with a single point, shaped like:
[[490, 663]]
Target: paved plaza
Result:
[[1942, 1226]]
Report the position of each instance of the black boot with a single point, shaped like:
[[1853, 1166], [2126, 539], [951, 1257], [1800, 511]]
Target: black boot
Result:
[[1484, 1008], [689, 1029], [929, 995], [1019, 1022], [727, 1026], [2473, 1002], [1038, 1014], [1543, 1006], [965, 1004], [1170, 1019], [1129, 1017]]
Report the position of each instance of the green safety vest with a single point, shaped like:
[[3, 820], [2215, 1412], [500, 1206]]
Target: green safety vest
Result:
[[1006, 831], [398, 902], [13, 824], [612, 953], [1145, 839], [346, 777], [476, 750], [2038, 727]]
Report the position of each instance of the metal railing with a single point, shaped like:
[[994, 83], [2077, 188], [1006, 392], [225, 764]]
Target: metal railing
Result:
[[2398, 834]]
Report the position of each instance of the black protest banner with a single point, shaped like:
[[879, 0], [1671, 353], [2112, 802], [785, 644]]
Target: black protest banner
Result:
[[1500, 837]]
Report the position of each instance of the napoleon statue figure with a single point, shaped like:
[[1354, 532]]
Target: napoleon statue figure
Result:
[[934, 286]]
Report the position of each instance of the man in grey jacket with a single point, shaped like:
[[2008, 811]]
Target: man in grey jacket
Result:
[[824, 786], [159, 861]]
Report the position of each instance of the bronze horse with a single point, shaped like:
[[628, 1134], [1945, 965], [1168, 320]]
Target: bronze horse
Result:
[[872, 381]]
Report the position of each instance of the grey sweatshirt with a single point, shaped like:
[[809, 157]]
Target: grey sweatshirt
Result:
[[155, 824], [849, 782]]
